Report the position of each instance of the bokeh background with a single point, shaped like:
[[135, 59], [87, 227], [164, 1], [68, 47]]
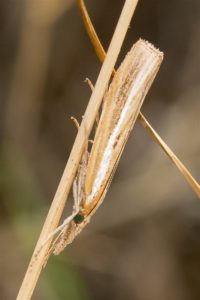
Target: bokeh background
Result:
[[144, 241]]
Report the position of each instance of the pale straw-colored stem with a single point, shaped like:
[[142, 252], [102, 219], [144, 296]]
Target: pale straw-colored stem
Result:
[[56, 209]]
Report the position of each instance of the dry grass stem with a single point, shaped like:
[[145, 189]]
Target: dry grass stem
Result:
[[184, 171], [56, 209]]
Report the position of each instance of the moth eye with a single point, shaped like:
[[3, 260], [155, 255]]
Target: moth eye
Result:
[[78, 218]]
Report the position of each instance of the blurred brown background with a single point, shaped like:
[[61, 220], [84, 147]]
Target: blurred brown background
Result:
[[144, 242]]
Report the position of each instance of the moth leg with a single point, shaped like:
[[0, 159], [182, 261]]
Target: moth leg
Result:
[[76, 123], [89, 82], [75, 194], [79, 182]]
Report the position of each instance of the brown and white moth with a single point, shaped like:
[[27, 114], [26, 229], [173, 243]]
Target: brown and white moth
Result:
[[122, 103]]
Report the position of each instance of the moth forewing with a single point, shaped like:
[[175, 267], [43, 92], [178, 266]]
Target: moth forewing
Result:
[[122, 104]]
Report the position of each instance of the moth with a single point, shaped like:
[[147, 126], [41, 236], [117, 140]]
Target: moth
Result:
[[121, 106]]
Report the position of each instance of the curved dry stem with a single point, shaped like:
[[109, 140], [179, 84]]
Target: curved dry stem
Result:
[[184, 171], [101, 54]]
